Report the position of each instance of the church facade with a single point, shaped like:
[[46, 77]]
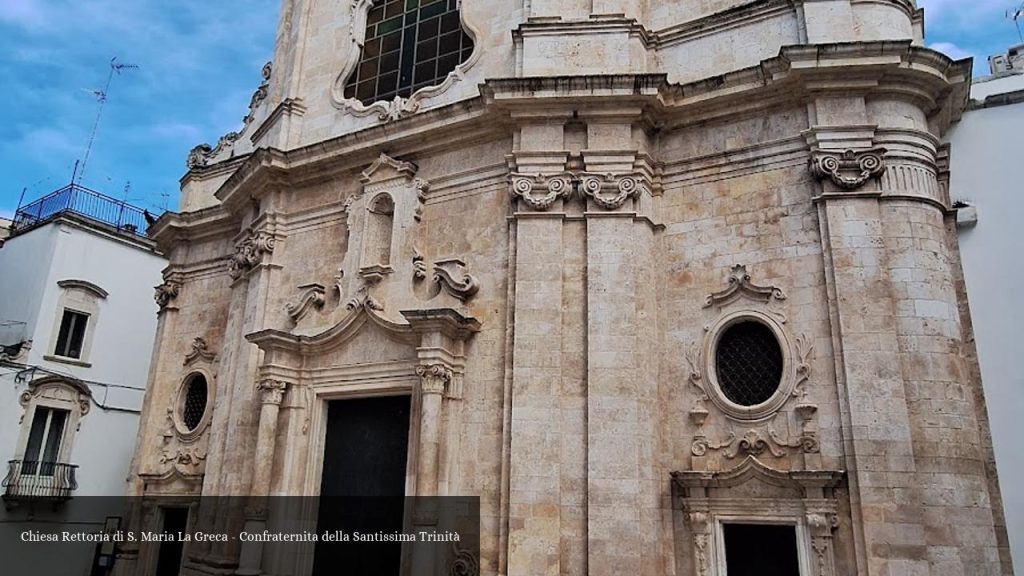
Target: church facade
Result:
[[672, 287]]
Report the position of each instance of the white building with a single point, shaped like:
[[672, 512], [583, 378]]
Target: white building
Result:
[[985, 168], [77, 323]]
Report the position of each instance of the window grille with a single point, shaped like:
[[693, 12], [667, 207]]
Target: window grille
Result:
[[748, 362], [195, 402], [409, 44]]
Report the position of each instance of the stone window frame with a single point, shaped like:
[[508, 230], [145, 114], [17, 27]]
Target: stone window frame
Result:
[[787, 383], [84, 298], [358, 14], [805, 499], [181, 430], [58, 393]]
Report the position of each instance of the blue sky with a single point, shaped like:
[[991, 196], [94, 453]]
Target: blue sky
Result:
[[199, 62]]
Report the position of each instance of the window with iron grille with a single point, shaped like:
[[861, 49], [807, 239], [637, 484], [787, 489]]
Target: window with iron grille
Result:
[[194, 407], [748, 363], [409, 44]]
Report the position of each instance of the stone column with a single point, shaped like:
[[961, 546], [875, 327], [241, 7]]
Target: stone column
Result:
[[875, 420], [434, 380], [271, 393]]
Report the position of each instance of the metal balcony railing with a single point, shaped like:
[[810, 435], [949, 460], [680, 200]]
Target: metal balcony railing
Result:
[[80, 200], [31, 480]]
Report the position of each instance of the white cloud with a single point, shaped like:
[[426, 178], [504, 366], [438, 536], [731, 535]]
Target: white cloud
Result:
[[26, 14], [952, 50]]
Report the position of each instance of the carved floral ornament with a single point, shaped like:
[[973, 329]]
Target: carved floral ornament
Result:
[[434, 378], [165, 293], [200, 351], [271, 390], [57, 389], [249, 252], [740, 302], [609, 191], [848, 169]]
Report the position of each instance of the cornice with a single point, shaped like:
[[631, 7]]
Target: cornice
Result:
[[206, 223]]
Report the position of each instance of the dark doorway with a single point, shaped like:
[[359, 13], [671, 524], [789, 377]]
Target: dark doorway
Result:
[[362, 488], [169, 560], [761, 550]]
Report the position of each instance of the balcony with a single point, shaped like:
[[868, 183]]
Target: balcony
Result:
[[81, 201], [31, 480]]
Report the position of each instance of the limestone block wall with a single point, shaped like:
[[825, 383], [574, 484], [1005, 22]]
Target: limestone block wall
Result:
[[543, 254]]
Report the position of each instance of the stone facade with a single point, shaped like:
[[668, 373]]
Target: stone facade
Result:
[[545, 250]]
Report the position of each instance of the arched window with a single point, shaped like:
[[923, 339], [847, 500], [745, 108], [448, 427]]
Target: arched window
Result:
[[409, 44], [379, 228]]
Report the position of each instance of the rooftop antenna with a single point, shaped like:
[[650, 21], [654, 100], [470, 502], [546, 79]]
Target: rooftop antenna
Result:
[[101, 98], [1017, 15]]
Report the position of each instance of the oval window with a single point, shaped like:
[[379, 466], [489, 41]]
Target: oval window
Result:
[[748, 363], [194, 404]]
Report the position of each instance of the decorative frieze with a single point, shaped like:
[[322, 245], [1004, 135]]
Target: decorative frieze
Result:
[[848, 169]]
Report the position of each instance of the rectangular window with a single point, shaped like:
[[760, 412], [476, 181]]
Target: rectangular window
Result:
[[71, 335], [761, 550], [44, 441]]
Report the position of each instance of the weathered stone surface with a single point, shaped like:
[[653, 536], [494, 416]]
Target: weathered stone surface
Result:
[[606, 188]]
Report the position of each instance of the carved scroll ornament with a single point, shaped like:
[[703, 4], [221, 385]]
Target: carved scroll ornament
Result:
[[311, 296], [164, 293], [556, 186], [250, 252], [849, 169]]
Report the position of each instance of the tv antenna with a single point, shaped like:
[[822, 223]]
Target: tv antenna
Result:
[[1017, 15], [101, 99]]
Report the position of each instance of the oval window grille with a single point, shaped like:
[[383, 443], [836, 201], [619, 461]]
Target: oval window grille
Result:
[[748, 363], [194, 407]]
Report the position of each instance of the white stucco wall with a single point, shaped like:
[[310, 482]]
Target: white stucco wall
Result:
[[31, 265], [986, 171]]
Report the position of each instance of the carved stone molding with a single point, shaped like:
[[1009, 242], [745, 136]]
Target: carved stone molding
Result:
[[740, 285], [700, 527], [188, 457], [271, 390], [398, 107], [434, 378], [203, 155], [362, 299], [710, 499], [58, 388], [555, 186], [848, 169], [164, 293], [610, 191], [465, 562], [260, 94], [249, 252], [310, 296], [450, 275], [200, 351]]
